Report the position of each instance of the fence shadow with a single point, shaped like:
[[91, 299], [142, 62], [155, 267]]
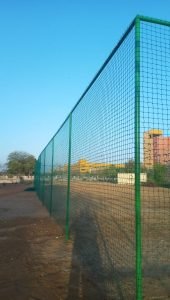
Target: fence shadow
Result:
[[87, 273], [30, 189], [100, 268]]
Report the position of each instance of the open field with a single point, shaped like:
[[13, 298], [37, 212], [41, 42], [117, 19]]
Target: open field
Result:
[[102, 222]]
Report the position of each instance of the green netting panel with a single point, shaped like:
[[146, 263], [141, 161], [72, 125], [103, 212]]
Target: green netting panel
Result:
[[48, 175], [60, 174], [42, 169], [37, 176], [102, 178], [155, 159], [122, 116]]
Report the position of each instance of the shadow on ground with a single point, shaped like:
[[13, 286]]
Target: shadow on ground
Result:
[[87, 274], [30, 189]]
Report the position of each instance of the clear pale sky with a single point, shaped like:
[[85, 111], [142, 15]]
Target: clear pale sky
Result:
[[49, 53]]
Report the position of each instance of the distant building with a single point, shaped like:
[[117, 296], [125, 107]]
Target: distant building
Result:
[[83, 166], [156, 148]]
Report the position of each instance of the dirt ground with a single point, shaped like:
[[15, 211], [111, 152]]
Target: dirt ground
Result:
[[102, 224], [98, 262], [36, 263]]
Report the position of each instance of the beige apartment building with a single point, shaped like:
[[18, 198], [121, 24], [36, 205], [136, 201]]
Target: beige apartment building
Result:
[[156, 148]]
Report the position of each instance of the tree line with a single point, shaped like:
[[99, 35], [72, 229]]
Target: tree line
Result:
[[19, 163]]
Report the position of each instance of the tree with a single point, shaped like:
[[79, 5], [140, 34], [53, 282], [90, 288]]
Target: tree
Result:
[[160, 174], [2, 169], [20, 163], [130, 166], [109, 173]]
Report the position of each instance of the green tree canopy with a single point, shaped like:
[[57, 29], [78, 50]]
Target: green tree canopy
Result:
[[20, 163]]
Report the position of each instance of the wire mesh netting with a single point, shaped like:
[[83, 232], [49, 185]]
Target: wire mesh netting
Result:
[[155, 158], [60, 174], [102, 212], [111, 153], [48, 175], [42, 176]]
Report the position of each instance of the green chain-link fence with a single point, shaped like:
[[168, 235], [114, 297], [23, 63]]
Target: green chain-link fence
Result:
[[105, 175]]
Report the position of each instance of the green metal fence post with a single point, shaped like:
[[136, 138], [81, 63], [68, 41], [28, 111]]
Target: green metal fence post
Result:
[[35, 176], [137, 163], [43, 196], [52, 168], [68, 180], [38, 177]]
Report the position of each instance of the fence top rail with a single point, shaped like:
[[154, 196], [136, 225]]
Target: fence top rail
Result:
[[139, 17], [153, 20]]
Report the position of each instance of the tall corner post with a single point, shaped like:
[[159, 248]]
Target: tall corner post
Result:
[[68, 180], [51, 183], [138, 228]]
